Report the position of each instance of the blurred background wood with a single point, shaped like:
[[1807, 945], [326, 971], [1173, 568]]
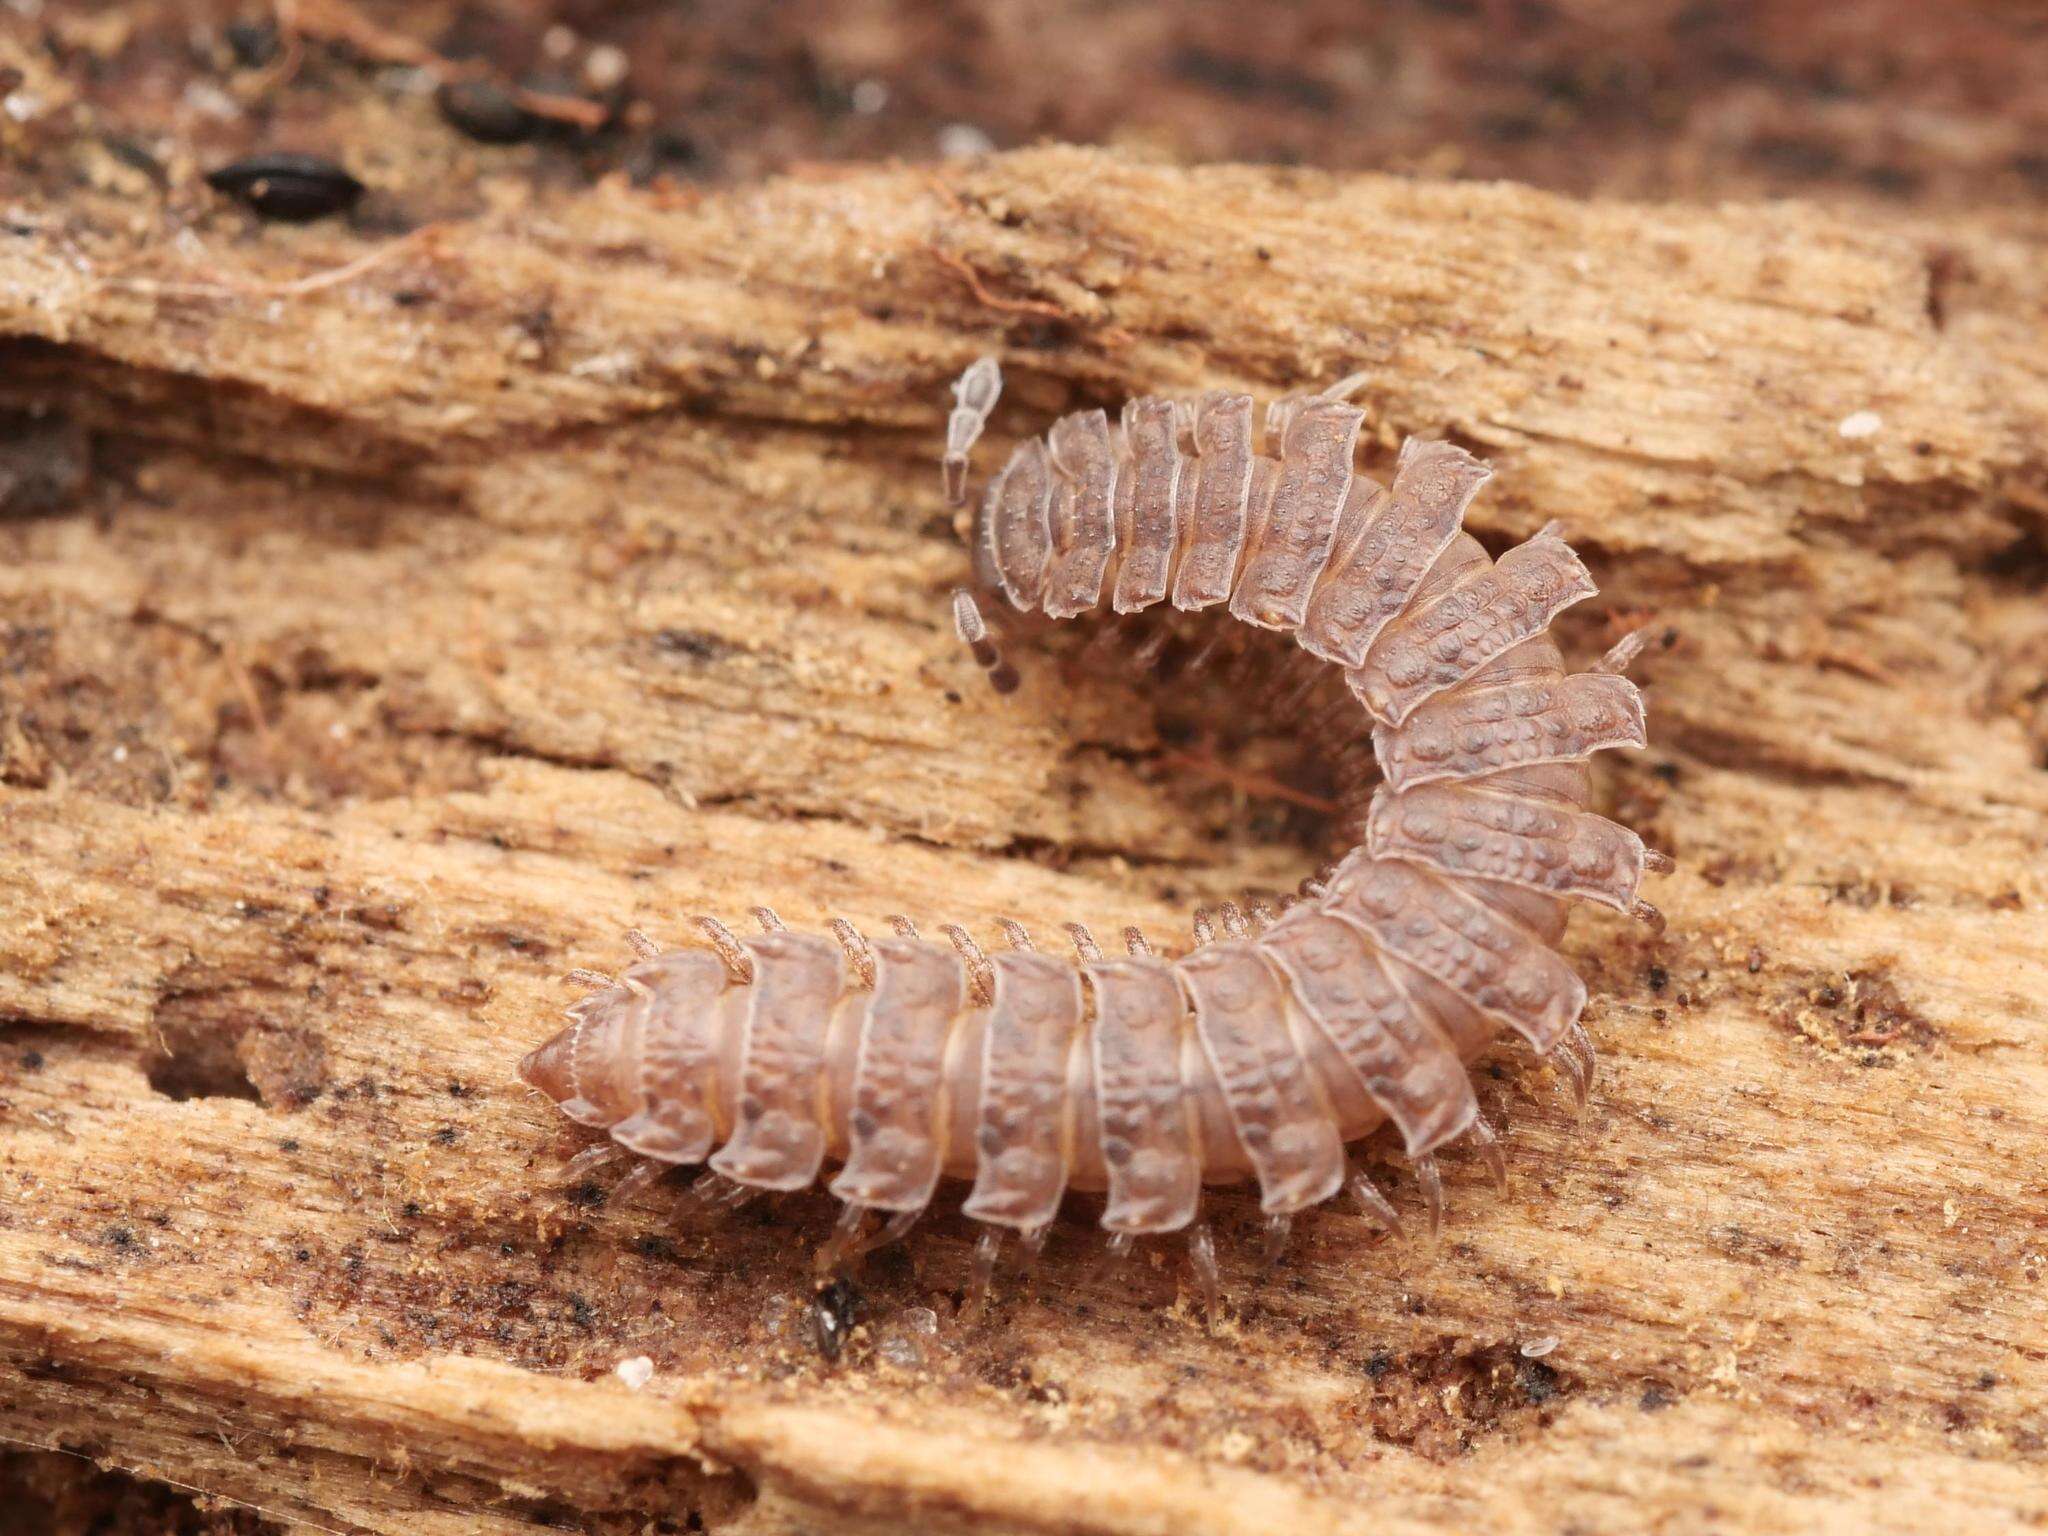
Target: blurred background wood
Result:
[[398, 607]]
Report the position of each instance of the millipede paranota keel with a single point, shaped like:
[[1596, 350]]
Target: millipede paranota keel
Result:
[[1264, 1050]]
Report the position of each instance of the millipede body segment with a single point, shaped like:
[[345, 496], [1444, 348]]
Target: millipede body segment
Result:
[[1263, 1052]]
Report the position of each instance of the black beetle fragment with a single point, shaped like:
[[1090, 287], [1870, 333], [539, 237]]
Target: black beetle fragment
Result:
[[835, 1308], [294, 188]]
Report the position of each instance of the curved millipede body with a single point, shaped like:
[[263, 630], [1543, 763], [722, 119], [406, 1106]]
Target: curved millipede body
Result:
[[1263, 1052]]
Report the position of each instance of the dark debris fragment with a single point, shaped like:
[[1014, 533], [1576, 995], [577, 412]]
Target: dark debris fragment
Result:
[[835, 1308], [290, 187], [486, 112], [45, 461]]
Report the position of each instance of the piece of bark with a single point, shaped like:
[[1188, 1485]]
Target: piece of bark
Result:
[[583, 567]]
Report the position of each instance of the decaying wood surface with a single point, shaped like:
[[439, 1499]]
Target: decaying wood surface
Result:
[[419, 626]]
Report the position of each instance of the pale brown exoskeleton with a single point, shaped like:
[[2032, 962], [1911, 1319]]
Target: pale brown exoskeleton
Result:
[[1264, 1051]]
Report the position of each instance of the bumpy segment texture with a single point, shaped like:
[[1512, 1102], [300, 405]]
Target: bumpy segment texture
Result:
[[1258, 1056]]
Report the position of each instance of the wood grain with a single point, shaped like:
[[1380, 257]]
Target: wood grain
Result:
[[582, 565]]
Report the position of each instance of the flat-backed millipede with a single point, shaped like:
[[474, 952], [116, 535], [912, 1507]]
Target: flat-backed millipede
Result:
[[1263, 1051]]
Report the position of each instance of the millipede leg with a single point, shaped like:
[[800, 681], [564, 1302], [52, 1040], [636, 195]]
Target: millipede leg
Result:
[[1032, 1241], [1279, 1227], [1136, 942], [1112, 1255], [1204, 929], [1018, 935], [1575, 1071], [592, 1159], [642, 946], [1486, 1142], [1376, 1207], [1233, 920], [1103, 640], [980, 973], [1280, 415], [1430, 1180], [737, 961], [712, 1191], [1203, 657], [1625, 650], [1341, 710], [833, 1254], [582, 976], [1236, 669], [858, 955], [904, 927], [1658, 863], [1347, 386], [894, 1230], [1303, 689], [1261, 913], [766, 917], [1643, 912], [1208, 1273], [642, 1175], [981, 1271], [1581, 1045], [973, 631], [1149, 650]]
